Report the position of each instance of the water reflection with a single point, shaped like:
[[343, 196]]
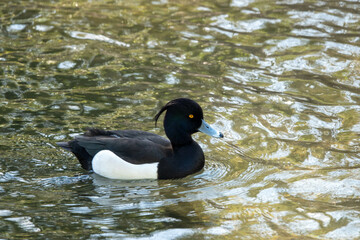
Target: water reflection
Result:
[[281, 79]]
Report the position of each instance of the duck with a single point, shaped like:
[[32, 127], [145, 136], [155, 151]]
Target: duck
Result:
[[134, 154]]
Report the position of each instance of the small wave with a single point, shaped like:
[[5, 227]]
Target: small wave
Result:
[[97, 37]]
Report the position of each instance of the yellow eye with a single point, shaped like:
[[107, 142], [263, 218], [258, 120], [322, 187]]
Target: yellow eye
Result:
[[191, 116]]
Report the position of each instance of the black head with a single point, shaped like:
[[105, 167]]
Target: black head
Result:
[[183, 117]]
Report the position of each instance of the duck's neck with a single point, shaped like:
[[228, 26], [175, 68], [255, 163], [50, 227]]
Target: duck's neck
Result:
[[179, 141], [178, 146]]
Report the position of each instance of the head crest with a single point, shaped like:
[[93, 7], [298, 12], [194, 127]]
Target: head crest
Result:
[[162, 110]]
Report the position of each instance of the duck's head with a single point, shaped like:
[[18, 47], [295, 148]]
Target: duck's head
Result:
[[184, 117]]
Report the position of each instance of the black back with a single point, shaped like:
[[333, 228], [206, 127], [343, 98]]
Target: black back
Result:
[[133, 146]]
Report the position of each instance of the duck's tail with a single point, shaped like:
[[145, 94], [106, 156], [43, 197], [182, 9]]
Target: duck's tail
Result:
[[84, 157], [65, 145]]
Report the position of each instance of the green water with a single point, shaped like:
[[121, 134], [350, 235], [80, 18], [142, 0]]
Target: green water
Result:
[[280, 79]]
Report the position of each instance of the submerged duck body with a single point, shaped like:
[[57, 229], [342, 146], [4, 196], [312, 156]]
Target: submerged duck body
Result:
[[132, 154]]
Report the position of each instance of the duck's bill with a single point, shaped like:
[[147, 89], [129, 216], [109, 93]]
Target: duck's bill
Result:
[[207, 129]]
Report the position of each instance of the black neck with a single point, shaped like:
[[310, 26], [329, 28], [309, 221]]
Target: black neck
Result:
[[179, 140]]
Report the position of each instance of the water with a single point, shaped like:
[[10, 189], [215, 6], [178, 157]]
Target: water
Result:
[[280, 79]]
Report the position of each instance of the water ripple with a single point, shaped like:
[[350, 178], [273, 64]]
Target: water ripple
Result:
[[279, 78], [96, 37]]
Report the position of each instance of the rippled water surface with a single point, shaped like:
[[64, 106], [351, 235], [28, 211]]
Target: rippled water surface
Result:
[[281, 80]]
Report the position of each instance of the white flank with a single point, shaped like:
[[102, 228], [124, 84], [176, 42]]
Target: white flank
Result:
[[109, 165]]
